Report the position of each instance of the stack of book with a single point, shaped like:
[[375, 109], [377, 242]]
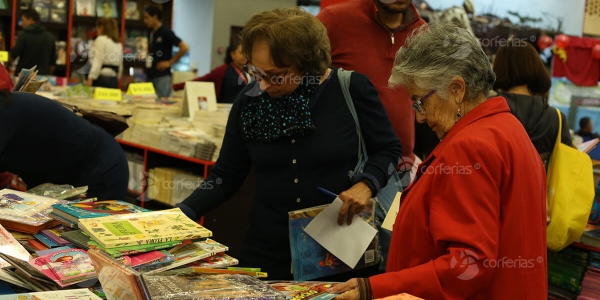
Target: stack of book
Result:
[[28, 82], [567, 268]]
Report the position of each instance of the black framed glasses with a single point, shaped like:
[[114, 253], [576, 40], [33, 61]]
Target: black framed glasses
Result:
[[258, 74], [417, 104]]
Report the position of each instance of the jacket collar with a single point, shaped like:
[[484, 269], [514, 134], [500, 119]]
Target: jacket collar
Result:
[[490, 107], [411, 15]]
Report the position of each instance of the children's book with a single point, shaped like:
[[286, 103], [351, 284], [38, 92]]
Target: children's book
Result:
[[143, 228], [218, 261], [54, 235], [65, 267], [78, 238], [191, 253], [129, 250], [118, 281], [24, 212], [76, 294], [310, 260], [82, 210], [9, 245], [188, 285], [299, 290], [29, 272]]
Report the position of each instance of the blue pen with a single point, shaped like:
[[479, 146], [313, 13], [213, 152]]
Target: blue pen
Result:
[[328, 193]]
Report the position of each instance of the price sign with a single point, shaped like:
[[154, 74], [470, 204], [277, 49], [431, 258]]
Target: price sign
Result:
[[107, 94], [142, 88]]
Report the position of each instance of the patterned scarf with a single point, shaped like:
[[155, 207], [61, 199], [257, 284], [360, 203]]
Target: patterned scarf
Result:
[[267, 119]]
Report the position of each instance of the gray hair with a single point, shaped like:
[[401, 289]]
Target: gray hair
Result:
[[434, 55]]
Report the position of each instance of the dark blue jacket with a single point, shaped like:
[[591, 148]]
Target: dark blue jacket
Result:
[[289, 170], [44, 142]]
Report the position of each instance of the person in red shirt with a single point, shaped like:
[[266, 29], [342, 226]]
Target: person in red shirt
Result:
[[365, 36], [472, 225]]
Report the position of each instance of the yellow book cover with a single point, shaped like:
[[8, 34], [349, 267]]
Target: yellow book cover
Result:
[[143, 228]]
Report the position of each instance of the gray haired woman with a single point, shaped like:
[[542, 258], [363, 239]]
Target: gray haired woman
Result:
[[472, 225]]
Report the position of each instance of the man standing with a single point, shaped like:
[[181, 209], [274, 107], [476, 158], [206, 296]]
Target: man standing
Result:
[[365, 36], [161, 41], [35, 45]]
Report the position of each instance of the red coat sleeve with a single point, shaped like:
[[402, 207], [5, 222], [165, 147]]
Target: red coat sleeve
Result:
[[216, 76], [464, 222]]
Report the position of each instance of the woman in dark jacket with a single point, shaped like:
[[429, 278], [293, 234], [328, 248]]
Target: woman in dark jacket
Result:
[[522, 79], [229, 78], [43, 142], [293, 125]]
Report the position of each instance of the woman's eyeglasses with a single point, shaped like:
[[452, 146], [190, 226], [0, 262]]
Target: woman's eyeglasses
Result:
[[259, 75], [417, 104]]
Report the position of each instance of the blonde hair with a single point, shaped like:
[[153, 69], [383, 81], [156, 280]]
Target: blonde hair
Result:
[[110, 28], [295, 37]]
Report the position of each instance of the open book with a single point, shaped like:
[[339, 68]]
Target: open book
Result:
[[588, 146], [28, 81]]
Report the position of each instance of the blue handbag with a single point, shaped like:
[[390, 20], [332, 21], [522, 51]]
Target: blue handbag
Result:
[[387, 193]]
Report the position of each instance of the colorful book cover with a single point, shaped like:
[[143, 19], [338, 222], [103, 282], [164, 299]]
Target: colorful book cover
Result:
[[130, 250], [143, 228], [45, 240], [9, 245], [75, 294], [191, 253], [22, 208], [310, 260], [84, 210], [106, 9], [65, 267], [188, 285], [54, 235], [218, 261], [118, 281], [146, 258], [298, 290], [25, 268]]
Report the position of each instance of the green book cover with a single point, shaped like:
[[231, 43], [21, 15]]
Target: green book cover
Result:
[[128, 250]]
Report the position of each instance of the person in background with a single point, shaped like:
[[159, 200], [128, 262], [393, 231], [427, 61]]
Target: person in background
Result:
[[293, 125], [106, 55], [365, 36], [473, 223], [229, 78], [44, 142], [586, 129], [522, 79], [161, 41], [35, 46]]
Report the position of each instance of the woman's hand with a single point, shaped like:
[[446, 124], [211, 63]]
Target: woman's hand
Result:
[[347, 290], [355, 200]]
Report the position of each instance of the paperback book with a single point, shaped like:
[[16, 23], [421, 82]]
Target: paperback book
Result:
[[82, 210], [75, 294], [187, 285], [299, 290], [311, 260], [9, 245], [143, 228], [25, 212], [65, 267]]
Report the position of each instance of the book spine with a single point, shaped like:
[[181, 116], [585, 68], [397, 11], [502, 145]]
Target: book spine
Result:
[[121, 243], [159, 247], [564, 282]]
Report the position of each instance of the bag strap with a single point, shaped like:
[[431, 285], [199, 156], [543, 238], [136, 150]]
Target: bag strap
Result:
[[559, 126], [344, 78]]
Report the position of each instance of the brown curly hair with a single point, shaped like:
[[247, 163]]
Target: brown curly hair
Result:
[[295, 37]]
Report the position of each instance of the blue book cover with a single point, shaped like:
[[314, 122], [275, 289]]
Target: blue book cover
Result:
[[310, 260], [84, 210]]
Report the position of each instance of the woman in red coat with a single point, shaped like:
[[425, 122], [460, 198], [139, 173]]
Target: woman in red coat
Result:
[[229, 78], [472, 225]]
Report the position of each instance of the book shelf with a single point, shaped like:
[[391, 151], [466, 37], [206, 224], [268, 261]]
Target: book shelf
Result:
[[72, 22]]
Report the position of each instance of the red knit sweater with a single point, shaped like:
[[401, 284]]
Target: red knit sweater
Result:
[[360, 42]]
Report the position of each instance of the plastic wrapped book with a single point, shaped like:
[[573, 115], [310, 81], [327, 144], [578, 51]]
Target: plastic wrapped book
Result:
[[190, 285]]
